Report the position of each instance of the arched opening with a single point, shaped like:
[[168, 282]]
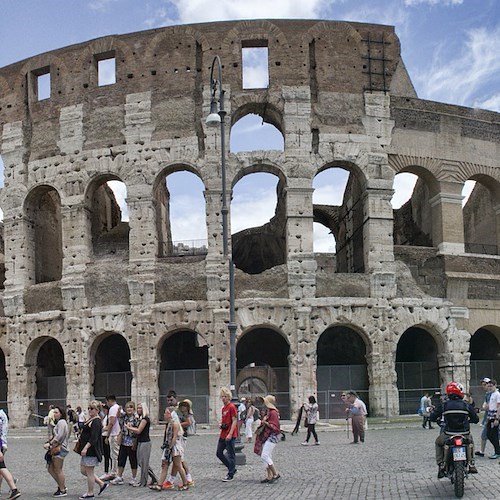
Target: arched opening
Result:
[[262, 365], [4, 383], [50, 376], [416, 368], [258, 222], [2, 255], [252, 133], [412, 210], [338, 214], [180, 215], [484, 358], [108, 214], [44, 233], [341, 365], [481, 215], [112, 373], [184, 368]]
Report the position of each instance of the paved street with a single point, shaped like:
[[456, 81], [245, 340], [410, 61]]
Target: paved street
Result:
[[394, 463]]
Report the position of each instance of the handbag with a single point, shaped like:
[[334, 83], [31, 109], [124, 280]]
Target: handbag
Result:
[[78, 447], [54, 450]]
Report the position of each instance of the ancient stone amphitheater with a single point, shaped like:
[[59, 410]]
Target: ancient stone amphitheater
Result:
[[92, 304]]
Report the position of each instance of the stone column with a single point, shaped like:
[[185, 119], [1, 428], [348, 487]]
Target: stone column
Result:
[[77, 245], [143, 245], [302, 361], [497, 226], [447, 218], [378, 242], [299, 240], [384, 397]]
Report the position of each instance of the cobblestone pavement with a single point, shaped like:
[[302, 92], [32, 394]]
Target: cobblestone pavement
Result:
[[394, 463]]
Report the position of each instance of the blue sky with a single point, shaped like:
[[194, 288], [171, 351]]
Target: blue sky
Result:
[[450, 47]]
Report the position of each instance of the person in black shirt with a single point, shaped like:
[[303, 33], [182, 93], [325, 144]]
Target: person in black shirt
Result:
[[456, 415]]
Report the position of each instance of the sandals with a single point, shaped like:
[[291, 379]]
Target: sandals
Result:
[[183, 487], [155, 487]]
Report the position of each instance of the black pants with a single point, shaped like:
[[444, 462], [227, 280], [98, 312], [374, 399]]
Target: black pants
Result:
[[492, 433], [311, 429], [106, 454]]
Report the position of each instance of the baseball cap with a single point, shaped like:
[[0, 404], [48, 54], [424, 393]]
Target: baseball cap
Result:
[[486, 380]]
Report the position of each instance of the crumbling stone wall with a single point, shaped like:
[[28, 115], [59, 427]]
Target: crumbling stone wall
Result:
[[332, 112]]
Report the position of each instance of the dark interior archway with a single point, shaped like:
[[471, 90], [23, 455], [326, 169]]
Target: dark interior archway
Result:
[[50, 376], [112, 368], [262, 357], [184, 368], [341, 365], [3, 382], [416, 368], [484, 358]]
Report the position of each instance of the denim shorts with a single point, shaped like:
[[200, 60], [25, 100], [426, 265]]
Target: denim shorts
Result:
[[63, 453], [89, 461]]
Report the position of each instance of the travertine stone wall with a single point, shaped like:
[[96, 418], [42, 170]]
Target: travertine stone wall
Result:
[[151, 122]]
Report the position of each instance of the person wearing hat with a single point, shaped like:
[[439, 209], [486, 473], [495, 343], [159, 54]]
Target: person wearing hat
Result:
[[484, 426], [269, 437]]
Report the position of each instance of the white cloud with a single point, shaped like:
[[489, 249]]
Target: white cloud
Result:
[[492, 103], [196, 11], [120, 191], [404, 184], [460, 79], [100, 5], [410, 3]]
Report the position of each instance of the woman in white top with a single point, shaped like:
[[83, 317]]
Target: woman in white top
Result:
[[58, 447], [311, 409]]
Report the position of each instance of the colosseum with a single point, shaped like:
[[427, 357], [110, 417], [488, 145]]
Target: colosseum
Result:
[[93, 304]]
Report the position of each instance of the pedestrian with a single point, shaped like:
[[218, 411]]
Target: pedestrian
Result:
[[49, 419], [81, 419], [251, 414], [311, 408], [425, 410], [106, 451], [484, 422], [57, 447], [4, 429], [4, 472], [228, 434], [90, 448], [242, 414], [186, 419], [114, 432], [357, 410], [128, 446], [141, 431], [493, 418], [267, 436]]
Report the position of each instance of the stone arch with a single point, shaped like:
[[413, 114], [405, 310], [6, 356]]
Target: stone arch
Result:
[[341, 364], [42, 210], [269, 109], [46, 378], [484, 357], [109, 234], [262, 352], [182, 356], [481, 216], [347, 220], [177, 33], [417, 365], [256, 249], [110, 358], [161, 201]]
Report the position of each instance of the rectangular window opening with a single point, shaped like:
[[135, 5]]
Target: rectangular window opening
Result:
[[106, 69], [255, 64], [42, 83]]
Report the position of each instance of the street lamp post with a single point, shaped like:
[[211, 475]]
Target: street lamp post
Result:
[[214, 119]]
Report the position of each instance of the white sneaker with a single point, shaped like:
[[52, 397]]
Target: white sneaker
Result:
[[133, 482], [117, 480], [305, 443]]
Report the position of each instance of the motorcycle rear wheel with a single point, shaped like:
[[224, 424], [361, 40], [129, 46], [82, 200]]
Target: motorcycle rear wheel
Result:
[[459, 478]]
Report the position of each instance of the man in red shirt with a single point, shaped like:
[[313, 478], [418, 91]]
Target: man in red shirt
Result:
[[228, 434]]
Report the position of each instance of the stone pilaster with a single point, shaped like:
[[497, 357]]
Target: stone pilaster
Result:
[[384, 398], [447, 218], [71, 129], [138, 125]]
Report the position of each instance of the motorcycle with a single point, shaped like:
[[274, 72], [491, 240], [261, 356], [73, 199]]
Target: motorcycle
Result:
[[456, 462]]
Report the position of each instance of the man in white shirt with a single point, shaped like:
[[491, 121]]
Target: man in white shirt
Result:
[[113, 430], [358, 412], [493, 417]]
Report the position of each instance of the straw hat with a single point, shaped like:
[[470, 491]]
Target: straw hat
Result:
[[186, 402], [270, 402]]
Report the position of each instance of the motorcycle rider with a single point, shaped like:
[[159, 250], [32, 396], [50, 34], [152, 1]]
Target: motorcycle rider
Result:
[[456, 415]]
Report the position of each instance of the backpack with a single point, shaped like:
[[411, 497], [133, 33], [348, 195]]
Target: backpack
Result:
[[256, 414]]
